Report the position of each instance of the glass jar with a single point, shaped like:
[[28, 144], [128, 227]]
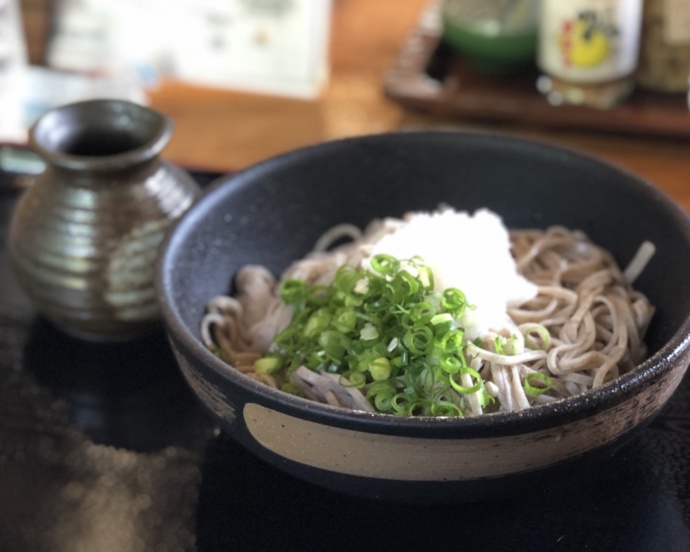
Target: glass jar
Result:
[[588, 51], [497, 37]]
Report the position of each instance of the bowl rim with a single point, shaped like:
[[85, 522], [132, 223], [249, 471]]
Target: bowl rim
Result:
[[539, 416]]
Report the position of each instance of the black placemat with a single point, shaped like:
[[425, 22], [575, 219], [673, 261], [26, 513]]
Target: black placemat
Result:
[[103, 448]]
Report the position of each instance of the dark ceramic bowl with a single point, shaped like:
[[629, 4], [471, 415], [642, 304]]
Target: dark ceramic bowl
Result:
[[273, 212]]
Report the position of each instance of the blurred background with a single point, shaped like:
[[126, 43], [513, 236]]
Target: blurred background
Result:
[[248, 79]]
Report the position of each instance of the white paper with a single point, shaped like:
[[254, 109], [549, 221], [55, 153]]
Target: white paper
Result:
[[268, 46], [237, 44]]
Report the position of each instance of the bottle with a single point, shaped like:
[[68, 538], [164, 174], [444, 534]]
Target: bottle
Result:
[[588, 51], [664, 61], [495, 37]]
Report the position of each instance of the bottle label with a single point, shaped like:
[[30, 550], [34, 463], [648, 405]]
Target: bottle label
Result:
[[589, 40]]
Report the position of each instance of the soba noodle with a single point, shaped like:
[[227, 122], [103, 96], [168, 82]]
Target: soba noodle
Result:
[[595, 321]]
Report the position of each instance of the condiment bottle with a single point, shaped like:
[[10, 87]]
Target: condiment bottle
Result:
[[588, 51], [664, 61], [496, 37]]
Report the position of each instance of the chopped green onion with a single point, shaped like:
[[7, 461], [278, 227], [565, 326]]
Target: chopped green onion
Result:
[[453, 300], [426, 277], [368, 332], [512, 346], [381, 395], [385, 264], [334, 344], [418, 340], [380, 369], [318, 294], [400, 403], [292, 388], [423, 312], [267, 365], [383, 330], [406, 285], [451, 365], [355, 379], [543, 333], [392, 345], [445, 408], [442, 318], [345, 321], [317, 323], [506, 345], [346, 279], [401, 360], [537, 383], [293, 291], [452, 342], [361, 286], [443, 323], [467, 390], [485, 399], [498, 344]]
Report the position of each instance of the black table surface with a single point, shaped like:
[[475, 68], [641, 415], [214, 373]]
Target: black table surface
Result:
[[104, 448]]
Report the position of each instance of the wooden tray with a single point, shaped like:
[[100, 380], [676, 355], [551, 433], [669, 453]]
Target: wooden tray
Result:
[[429, 76]]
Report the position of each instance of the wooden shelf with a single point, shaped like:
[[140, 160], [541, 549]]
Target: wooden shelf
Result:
[[429, 76]]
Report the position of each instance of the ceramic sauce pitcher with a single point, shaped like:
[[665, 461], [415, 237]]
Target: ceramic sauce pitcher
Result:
[[84, 237]]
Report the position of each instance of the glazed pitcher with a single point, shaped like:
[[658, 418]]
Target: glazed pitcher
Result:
[[84, 237]]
